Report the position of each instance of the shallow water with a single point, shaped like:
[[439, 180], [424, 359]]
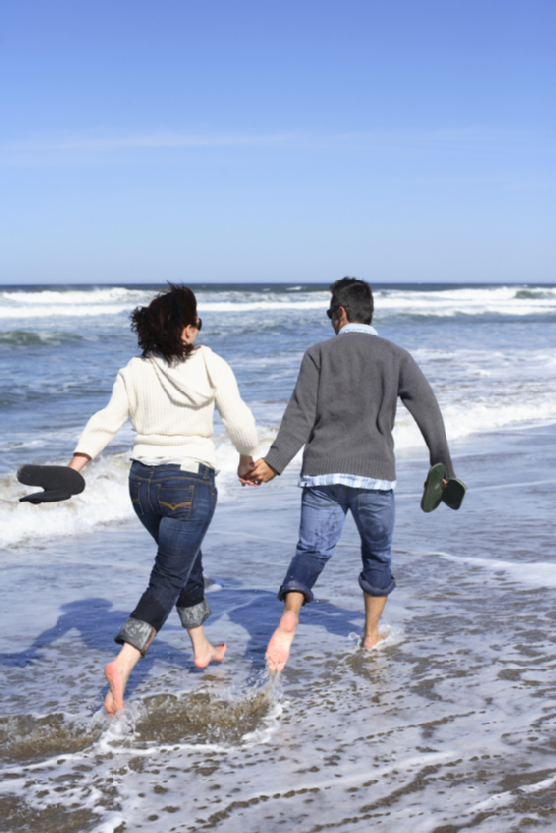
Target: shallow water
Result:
[[449, 725]]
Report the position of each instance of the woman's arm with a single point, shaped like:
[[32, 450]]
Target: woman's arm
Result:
[[103, 426], [78, 461], [236, 415]]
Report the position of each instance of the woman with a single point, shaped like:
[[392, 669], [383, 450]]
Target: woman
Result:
[[169, 394]]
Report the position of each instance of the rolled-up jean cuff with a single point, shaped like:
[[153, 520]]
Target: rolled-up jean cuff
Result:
[[137, 633], [194, 616], [295, 587], [370, 590]]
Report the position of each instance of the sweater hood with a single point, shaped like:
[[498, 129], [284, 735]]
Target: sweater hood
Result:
[[181, 384]]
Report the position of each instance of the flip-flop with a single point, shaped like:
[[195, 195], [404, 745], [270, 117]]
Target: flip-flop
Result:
[[454, 493], [58, 482], [433, 487]]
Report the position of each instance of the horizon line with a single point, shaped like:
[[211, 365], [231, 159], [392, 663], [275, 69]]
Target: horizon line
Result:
[[283, 283]]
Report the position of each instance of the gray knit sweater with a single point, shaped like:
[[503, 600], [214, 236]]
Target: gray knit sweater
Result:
[[343, 409]]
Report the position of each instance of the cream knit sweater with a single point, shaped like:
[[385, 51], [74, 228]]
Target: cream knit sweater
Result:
[[171, 407]]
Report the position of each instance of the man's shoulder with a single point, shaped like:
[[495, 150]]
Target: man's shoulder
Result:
[[355, 343]]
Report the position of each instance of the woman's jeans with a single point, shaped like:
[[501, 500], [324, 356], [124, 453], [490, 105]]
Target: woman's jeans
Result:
[[176, 507], [323, 512]]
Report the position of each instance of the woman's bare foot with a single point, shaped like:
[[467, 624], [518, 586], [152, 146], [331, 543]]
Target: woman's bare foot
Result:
[[278, 650], [117, 673], [209, 654], [204, 652], [115, 697]]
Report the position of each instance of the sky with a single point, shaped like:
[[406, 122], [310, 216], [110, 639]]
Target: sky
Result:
[[277, 140]]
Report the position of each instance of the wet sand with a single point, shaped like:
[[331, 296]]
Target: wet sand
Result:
[[448, 725]]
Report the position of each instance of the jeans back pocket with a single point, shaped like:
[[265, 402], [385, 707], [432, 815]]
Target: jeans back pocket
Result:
[[175, 502]]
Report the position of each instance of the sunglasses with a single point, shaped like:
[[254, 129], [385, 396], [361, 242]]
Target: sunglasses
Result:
[[198, 325], [330, 312]]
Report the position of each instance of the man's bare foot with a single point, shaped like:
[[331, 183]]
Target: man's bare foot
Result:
[[373, 639], [374, 605], [115, 697], [278, 650], [209, 654]]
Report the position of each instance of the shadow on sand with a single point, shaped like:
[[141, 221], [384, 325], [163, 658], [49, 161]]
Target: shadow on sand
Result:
[[257, 611]]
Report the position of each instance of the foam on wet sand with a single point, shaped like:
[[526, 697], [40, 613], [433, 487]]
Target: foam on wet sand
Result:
[[448, 723]]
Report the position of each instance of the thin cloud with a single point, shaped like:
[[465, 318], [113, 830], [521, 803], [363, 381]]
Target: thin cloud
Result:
[[400, 143]]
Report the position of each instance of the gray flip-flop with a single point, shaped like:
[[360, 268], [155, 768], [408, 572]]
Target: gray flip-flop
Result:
[[433, 487]]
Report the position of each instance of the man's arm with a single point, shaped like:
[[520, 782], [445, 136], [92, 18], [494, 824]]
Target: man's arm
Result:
[[299, 416], [419, 399], [260, 473]]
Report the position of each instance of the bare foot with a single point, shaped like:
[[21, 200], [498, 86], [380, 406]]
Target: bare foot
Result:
[[373, 639], [115, 697], [278, 650], [209, 654], [203, 651], [117, 673]]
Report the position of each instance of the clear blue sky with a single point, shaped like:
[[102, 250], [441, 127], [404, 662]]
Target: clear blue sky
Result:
[[277, 140]]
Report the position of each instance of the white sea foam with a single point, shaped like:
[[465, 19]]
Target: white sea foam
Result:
[[462, 419], [271, 306], [71, 297], [106, 499], [63, 311], [531, 573], [500, 300], [516, 301], [71, 303]]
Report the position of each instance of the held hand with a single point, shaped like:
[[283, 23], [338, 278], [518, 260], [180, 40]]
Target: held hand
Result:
[[246, 466], [262, 473]]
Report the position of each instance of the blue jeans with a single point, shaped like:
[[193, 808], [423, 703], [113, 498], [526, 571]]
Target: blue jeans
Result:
[[323, 512], [176, 507]]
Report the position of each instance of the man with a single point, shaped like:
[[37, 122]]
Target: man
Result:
[[343, 409]]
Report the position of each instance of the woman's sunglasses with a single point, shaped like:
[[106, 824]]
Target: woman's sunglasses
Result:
[[198, 325]]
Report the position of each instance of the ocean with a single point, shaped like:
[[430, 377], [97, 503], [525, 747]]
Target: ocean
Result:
[[448, 725]]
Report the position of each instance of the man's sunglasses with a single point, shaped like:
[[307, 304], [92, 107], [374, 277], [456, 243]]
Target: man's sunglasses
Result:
[[330, 312]]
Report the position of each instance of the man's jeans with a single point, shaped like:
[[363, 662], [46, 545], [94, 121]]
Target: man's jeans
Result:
[[176, 507], [323, 512]]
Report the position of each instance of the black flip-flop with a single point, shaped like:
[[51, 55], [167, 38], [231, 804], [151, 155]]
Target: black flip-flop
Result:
[[454, 493], [58, 482], [433, 487]]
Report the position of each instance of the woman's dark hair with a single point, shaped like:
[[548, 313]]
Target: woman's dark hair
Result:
[[356, 297], [160, 325]]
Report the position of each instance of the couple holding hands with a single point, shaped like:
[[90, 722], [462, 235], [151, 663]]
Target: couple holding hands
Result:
[[342, 411]]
